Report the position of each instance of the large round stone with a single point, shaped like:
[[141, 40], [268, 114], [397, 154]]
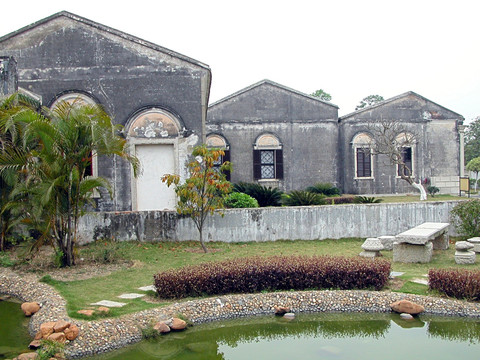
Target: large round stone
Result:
[[372, 244], [406, 306], [463, 246], [30, 308]]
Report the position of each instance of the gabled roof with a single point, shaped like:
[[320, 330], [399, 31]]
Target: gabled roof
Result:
[[392, 99], [106, 29], [274, 84]]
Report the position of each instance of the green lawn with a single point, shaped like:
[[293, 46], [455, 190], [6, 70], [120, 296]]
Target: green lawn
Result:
[[416, 197], [150, 258]]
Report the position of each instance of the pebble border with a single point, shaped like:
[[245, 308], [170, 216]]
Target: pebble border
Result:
[[105, 335]]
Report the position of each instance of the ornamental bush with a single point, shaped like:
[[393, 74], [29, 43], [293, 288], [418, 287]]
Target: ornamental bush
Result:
[[460, 284], [239, 200], [325, 189], [255, 274], [366, 200], [265, 195], [466, 218], [302, 198], [347, 199]]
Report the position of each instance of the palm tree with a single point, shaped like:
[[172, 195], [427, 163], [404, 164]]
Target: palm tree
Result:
[[16, 111], [56, 182]]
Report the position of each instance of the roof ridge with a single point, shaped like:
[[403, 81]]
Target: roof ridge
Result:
[[103, 27], [273, 83]]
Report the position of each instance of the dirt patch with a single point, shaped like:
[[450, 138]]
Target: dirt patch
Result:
[[396, 284], [42, 264]]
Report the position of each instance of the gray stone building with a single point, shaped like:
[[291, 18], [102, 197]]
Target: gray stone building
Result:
[[280, 137], [276, 135], [273, 135], [158, 95], [434, 155]]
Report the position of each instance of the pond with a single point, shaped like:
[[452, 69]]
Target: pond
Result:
[[14, 337], [319, 336]]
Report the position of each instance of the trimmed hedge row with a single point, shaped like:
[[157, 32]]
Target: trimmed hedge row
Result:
[[255, 274], [460, 284]]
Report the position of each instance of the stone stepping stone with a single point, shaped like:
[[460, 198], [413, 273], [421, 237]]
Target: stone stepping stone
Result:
[[420, 281], [109, 303], [394, 274], [148, 288], [131, 296]]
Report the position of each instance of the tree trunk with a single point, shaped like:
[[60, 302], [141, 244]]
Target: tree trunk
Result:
[[423, 193], [200, 231]]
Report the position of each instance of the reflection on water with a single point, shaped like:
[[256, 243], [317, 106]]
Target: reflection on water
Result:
[[319, 336], [14, 336]]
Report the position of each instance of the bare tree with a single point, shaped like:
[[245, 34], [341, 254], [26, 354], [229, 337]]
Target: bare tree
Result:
[[392, 139]]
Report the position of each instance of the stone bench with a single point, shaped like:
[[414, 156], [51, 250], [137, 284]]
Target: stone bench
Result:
[[417, 244]]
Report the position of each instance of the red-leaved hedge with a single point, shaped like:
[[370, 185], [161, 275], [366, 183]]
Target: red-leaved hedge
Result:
[[255, 274], [348, 199], [457, 283]]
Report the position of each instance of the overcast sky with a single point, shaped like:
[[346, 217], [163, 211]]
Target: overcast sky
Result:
[[350, 48]]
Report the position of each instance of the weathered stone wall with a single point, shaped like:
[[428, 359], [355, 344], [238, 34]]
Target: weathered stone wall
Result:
[[435, 155], [268, 224], [66, 53], [306, 128], [8, 75]]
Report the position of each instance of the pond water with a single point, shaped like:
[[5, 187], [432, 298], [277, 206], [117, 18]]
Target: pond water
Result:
[[316, 336], [14, 337]]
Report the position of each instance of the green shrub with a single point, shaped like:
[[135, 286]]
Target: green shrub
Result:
[[303, 198], [240, 200], [6, 260], [324, 188], [149, 332], [58, 258], [460, 284], [366, 200], [339, 200], [432, 190], [48, 349], [466, 218], [266, 196], [256, 274]]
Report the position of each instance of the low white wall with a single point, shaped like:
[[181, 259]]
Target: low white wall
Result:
[[268, 224]]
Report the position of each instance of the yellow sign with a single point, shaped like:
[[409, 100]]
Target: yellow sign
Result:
[[465, 184]]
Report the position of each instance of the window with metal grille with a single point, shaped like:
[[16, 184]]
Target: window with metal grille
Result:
[[364, 162], [268, 164]]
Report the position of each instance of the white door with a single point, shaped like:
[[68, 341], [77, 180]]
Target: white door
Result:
[[155, 161]]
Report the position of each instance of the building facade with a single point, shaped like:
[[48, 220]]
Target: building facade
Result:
[[158, 95], [280, 137], [273, 135]]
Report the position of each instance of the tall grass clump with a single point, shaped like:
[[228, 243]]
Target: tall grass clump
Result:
[[255, 274]]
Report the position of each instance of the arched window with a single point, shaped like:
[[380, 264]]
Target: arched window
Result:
[[71, 97], [363, 156], [267, 158], [80, 99], [406, 146], [219, 142]]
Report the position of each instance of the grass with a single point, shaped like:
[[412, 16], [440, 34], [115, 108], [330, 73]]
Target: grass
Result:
[[150, 258], [416, 197]]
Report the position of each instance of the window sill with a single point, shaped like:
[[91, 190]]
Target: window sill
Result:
[[364, 178]]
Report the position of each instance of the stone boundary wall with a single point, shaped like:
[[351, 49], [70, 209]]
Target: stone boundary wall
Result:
[[267, 224]]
